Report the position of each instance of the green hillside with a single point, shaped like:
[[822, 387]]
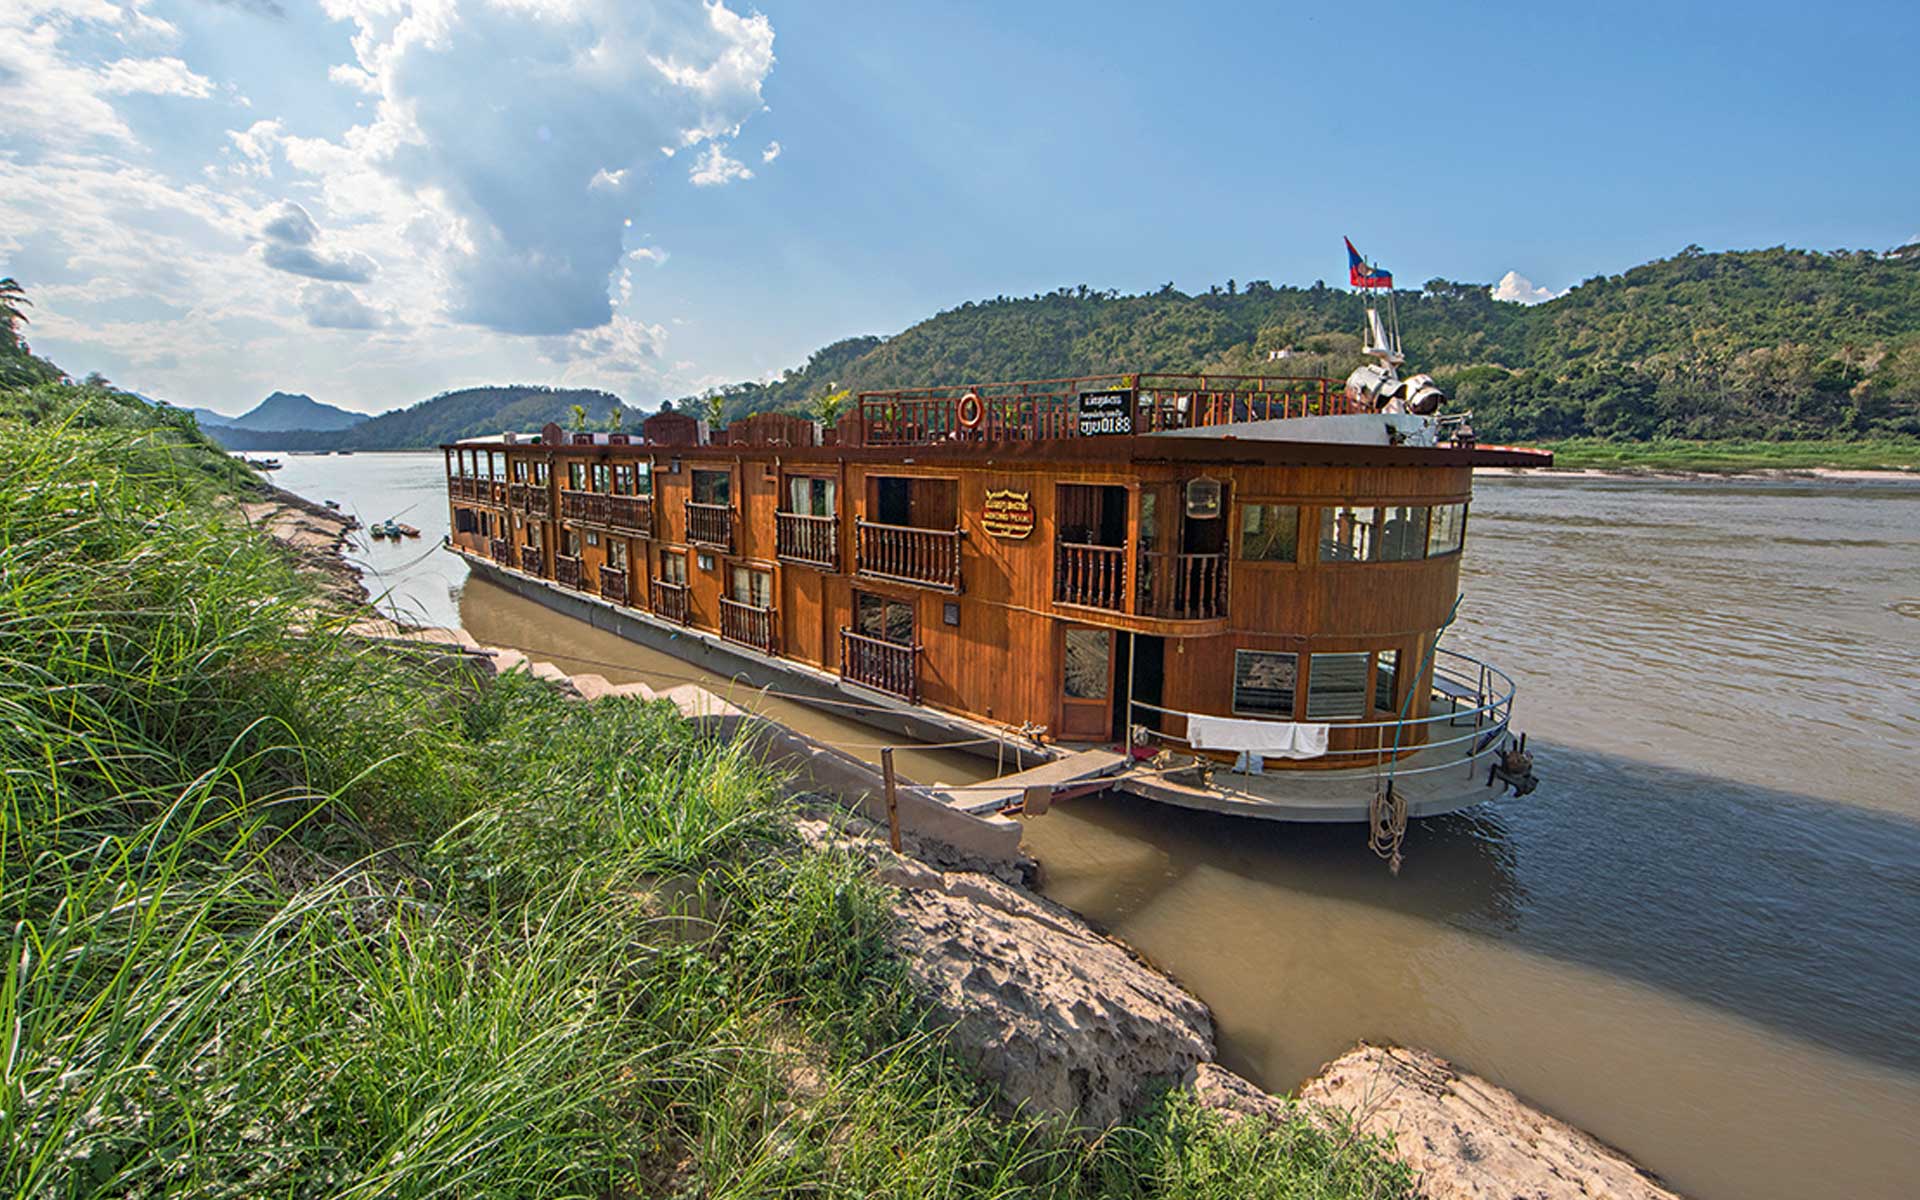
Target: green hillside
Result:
[[1764, 344], [447, 417]]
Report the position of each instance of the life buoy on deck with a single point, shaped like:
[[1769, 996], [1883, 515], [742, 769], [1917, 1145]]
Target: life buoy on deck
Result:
[[972, 412]]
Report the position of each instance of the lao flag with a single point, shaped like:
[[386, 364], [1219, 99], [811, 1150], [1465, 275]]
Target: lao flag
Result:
[[1360, 275]]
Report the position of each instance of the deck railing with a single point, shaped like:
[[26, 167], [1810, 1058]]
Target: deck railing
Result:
[[530, 498], [909, 555], [748, 624], [501, 551], [1182, 587], [465, 489], [631, 514], [530, 559], [566, 571], [710, 525], [1049, 408], [613, 585], [583, 506], [808, 539], [1095, 576], [670, 601], [881, 665]]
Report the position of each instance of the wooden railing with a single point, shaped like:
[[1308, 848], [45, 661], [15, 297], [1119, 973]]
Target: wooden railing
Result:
[[531, 560], [501, 550], [882, 665], [1184, 587], [748, 624], [566, 571], [710, 525], [464, 489], [633, 514], [670, 601], [899, 552], [807, 539], [613, 584], [583, 506], [1095, 576], [531, 498]]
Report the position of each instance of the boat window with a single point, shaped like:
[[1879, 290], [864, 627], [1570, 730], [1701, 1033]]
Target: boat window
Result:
[[533, 535], [712, 487], [1349, 534], [573, 543], [1263, 682], [1149, 519], [1448, 529], [750, 586], [1269, 532], [883, 618], [463, 520], [617, 554], [673, 566], [540, 473], [643, 472], [810, 496], [1089, 666], [519, 470], [593, 539], [602, 478], [623, 479], [1386, 673], [577, 476], [1403, 533], [1336, 686], [705, 560]]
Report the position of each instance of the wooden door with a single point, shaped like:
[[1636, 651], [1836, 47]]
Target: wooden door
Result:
[[1086, 683]]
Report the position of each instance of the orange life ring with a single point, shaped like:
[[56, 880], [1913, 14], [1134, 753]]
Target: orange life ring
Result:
[[972, 412]]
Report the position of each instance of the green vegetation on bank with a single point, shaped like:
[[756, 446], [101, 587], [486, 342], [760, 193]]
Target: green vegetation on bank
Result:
[[288, 915], [1762, 345], [1671, 454]]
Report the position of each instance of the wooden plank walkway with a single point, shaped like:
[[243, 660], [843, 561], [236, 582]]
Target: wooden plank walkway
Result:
[[996, 794]]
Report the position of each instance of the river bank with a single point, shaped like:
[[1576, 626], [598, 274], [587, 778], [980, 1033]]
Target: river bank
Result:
[[1818, 458]]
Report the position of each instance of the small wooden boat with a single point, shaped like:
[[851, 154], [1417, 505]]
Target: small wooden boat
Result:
[[379, 530], [404, 530]]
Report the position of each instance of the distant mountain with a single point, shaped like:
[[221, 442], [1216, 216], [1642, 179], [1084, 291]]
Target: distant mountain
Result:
[[1758, 343], [208, 418], [447, 417], [291, 410]]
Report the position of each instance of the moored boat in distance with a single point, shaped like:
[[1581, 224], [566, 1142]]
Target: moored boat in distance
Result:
[[1234, 587]]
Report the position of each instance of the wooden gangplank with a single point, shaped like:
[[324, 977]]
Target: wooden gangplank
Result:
[[1008, 790]]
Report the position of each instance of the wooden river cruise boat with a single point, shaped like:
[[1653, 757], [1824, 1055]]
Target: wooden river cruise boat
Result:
[[1236, 584]]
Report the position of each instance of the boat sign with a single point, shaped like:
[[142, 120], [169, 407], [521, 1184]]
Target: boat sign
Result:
[[1109, 411], [1007, 514]]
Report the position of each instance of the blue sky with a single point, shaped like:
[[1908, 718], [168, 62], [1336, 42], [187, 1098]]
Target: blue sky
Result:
[[374, 200]]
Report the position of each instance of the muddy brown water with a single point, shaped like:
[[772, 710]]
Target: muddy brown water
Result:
[[1700, 940]]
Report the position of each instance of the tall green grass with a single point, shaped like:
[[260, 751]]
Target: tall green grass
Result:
[[289, 916]]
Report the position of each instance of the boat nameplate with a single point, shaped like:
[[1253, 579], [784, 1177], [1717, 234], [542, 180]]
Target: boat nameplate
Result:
[[1007, 514]]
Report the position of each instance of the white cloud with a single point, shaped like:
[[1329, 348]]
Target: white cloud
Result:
[[290, 238], [771, 152], [714, 168], [154, 77], [332, 306], [652, 254], [1518, 288]]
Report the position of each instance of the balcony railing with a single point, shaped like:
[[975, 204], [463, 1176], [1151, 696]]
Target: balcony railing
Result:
[[908, 555], [670, 601], [806, 539], [748, 624], [631, 514], [530, 498], [583, 506], [566, 571], [531, 560], [463, 489], [1183, 587], [501, 551], [881, 665], [613, 585], [710, 525], [1095, 576]]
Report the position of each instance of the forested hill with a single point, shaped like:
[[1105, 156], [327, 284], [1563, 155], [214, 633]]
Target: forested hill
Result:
[[444, 418], [1764, 343]]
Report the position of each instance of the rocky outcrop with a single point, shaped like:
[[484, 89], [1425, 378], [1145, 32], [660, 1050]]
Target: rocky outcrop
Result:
[[1468, 1139], [1057, 1017]]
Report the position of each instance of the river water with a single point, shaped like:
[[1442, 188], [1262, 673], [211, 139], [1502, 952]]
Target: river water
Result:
[[1699, 940]]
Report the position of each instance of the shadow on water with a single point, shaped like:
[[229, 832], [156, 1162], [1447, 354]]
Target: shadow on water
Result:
[[1786, 910]]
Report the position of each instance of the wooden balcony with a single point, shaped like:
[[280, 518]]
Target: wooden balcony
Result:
[[530, 498], [586, 507], [501, 551], [814, 541], [907, 555], [631, 514], [613, 585], [566, 571], [1095, 576], [670, 601], [748, 624], [710, 525], [1183, 587], [881, 665], [532, 560]]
